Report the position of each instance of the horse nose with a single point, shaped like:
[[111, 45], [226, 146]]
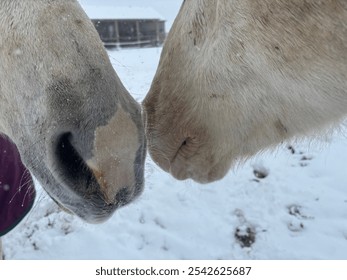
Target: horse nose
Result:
[[97, 166]]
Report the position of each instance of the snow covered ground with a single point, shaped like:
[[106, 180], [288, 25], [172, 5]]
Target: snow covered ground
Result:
[[287, 204]]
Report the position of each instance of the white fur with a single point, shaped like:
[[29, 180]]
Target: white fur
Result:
[[238, 76]]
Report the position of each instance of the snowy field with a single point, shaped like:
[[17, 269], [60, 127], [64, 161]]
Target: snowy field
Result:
[[287, 204], [290, 203]]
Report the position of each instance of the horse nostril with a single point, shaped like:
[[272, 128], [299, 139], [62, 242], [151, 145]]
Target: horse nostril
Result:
[[67, 154], [188, 147], [71, 164]]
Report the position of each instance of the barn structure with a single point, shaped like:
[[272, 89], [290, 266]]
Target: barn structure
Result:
[[127, 26]]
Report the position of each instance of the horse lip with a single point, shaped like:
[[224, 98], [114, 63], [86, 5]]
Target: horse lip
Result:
[[61, 206], [101, 213], [93, 208]]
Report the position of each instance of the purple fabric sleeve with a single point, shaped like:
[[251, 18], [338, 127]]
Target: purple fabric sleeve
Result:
[[17, 191]]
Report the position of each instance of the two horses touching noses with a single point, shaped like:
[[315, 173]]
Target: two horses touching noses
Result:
[[235, 76]]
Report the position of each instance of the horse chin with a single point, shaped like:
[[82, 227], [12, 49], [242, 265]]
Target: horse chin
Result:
[[197, 171], [94, 209]]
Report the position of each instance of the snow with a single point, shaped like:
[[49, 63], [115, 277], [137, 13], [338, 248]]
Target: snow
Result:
[[290, 203]]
